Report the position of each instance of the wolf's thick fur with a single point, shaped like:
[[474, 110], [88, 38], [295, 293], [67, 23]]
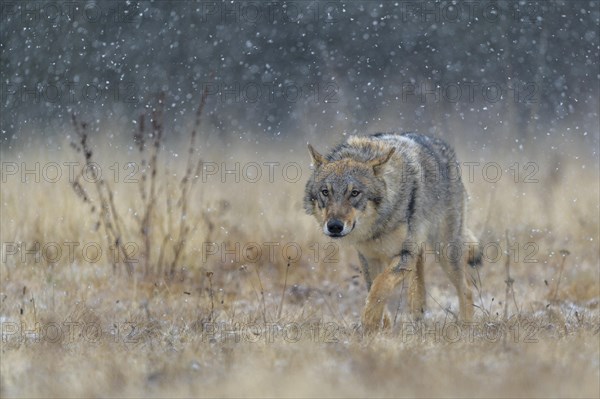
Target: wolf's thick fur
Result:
[[397, 198]]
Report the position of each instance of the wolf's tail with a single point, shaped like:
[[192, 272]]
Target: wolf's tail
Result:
[[475, 254]]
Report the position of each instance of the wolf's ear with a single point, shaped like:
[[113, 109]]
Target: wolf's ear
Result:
[[317, 158], [379, 163]]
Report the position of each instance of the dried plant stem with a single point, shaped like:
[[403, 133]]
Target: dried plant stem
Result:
[[187, 183], [211, 295], [564, 253], [287, 269], [150, 197], [148, 138], [477, 283], [509, 282], [262, 295], [108, 212]]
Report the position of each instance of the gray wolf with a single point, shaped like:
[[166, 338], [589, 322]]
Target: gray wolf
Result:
[[396, 198]]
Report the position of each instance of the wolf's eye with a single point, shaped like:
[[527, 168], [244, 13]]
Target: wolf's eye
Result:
[[325, 192], [354, 193]]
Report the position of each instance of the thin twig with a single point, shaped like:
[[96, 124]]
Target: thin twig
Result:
[[479, 288], [509, 282], [564, 253], [287, 269], [186, 185], [211, 294], [262, 294]]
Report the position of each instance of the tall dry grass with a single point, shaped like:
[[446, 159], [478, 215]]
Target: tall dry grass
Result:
[[167, 310]]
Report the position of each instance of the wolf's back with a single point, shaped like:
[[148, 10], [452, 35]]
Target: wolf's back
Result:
[[425, 189], [433, 147]]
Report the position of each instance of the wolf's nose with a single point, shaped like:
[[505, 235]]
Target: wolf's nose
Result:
[[335, 226]]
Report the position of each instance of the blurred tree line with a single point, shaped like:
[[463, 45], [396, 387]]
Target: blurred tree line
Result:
[[271, 66]]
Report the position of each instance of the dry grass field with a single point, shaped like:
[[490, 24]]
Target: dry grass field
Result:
[[247, 298]]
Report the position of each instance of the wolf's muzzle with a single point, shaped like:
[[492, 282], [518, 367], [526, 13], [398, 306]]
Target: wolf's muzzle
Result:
[[335, 227]]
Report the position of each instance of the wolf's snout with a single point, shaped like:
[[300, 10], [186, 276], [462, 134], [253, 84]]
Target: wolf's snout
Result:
[[335, 226]]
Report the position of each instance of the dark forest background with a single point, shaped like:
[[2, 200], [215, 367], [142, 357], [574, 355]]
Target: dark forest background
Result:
[[282, 68]]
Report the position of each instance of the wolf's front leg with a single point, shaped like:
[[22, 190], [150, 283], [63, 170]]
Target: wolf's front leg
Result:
[[382, 287]]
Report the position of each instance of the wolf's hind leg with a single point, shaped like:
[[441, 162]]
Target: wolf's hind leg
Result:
[[455, 268], [417, 289], [474, 250], [364, 264]]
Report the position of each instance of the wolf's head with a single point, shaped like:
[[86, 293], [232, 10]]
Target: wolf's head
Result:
[[344, 194]]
